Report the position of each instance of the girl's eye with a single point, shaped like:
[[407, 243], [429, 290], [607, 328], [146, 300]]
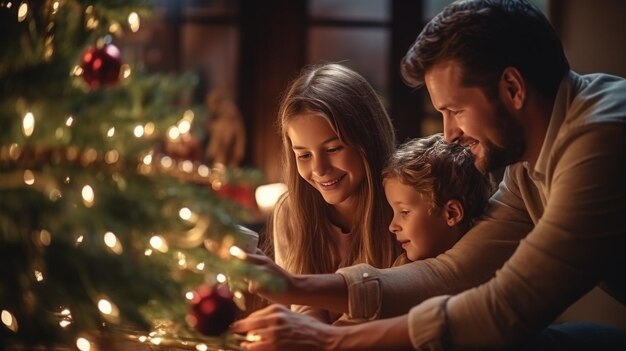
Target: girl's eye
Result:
[[334, 149], [303, 156], [404, 212]]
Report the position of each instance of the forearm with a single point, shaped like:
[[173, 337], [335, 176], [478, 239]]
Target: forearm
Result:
[[327, 291], [375, 293], [384, 334], [320, 314]]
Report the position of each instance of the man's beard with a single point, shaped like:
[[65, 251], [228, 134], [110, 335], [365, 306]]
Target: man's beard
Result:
[[496, 157]]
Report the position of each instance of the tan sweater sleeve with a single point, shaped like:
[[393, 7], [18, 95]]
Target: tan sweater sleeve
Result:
[[375, 293], [578, 241]]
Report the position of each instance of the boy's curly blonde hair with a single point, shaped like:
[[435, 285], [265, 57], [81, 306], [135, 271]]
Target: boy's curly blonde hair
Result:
[[441, 171]]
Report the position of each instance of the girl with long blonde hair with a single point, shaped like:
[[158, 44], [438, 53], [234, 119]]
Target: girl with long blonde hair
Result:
[[336, 137]]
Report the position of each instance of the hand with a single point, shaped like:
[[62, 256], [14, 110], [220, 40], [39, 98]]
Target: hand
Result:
[[326, 291], [265, 264], [277, 328]]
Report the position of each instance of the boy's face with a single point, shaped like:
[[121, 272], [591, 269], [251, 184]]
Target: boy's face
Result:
[[423, 233]]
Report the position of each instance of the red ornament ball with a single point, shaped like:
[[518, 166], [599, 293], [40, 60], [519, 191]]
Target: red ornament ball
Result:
[[212, 310], [101, 65]]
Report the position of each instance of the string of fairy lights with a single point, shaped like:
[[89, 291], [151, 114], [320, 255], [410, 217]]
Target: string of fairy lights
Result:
[[149, 163], [21, 162]]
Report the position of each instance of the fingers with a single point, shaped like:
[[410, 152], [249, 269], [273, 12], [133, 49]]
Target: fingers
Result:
[[262, 340], [255, 288], [262, 328], [275, 328], [266, 265], [259, 258], [258, 346], [260, 319]]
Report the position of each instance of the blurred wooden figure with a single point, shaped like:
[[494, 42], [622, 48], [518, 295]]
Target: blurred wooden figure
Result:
[[227, 134]]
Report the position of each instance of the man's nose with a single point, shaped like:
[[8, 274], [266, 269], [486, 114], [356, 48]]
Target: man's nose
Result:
[[451, 130]]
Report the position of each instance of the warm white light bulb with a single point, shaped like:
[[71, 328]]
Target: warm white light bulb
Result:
[[203, 170], [184, 126], [138, 131], [237, 252], [8, 320], [158, 243], [28, 124], [22, 11], [166, 162], [187, 166], [29, 177], [45, 238], [83, 344], [88, 196], [173, 133], [133, 21], [126, 70], [111, 156], [105, 306], [38, 275], [110, 239], [115, 28], [149, 128], [267, 195], [185, 213], [188, 115]]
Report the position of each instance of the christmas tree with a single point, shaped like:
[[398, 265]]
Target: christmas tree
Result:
[[103, 235]]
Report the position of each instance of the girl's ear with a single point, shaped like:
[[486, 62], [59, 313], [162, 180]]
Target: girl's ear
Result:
[[453, 211]]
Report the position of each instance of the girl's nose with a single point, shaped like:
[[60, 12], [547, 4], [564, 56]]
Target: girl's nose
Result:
[[393, 227], [320, 165]]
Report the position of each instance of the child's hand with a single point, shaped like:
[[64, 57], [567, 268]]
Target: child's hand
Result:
[[266, 265]]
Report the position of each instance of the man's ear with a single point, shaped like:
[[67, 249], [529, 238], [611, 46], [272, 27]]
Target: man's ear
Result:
[[512, 88], [453, 211]]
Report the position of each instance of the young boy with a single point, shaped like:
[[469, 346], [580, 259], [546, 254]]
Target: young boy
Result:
[[435, 192]]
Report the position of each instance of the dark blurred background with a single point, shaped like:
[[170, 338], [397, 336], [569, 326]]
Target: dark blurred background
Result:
[[253, 48]]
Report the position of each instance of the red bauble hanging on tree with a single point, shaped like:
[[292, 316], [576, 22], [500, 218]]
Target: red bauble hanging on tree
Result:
[[212, 310], [101, 65]]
